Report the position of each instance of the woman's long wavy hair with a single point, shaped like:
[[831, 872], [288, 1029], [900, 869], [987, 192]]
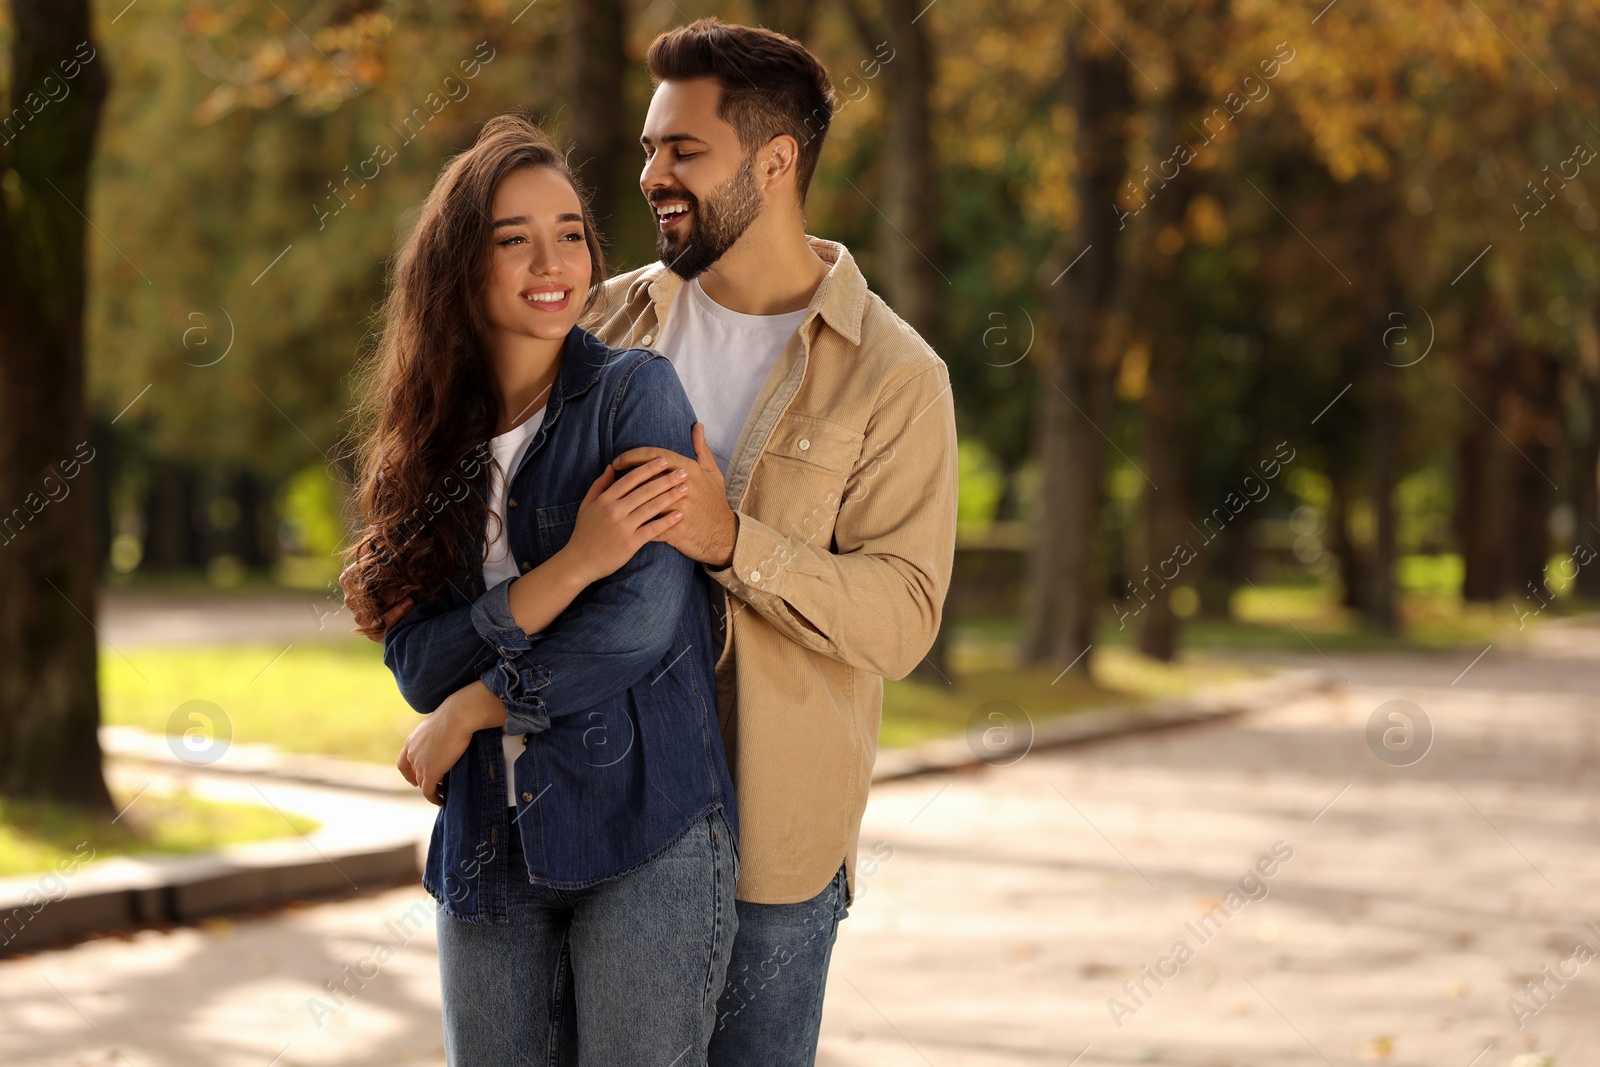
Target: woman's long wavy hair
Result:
[[428, 405]]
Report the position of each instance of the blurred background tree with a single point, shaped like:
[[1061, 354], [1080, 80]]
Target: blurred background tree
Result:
[[1235, 297], [49, 704]]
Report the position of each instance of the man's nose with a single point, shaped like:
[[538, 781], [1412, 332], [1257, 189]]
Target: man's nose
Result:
[[654, 174]]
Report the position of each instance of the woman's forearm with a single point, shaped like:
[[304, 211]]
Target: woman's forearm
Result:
[[543, 593]]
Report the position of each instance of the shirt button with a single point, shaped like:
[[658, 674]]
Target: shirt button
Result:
[[805, 443], [646, 339], [755, 576], [511, 503], [527, 798], [526, 567]]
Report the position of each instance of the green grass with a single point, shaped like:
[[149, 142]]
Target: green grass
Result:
[[1291, 617], [334, 697], [337, 698], [987, 680], [47, 837]]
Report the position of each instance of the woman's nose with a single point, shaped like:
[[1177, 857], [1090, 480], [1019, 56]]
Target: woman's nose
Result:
[[541, 257]]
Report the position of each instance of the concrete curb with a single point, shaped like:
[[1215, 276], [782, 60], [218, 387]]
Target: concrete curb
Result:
[[262, 761], [124, 892], [1008, 742]]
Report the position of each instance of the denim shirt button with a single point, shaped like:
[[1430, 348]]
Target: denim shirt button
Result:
[[527, 798], [526, 567]]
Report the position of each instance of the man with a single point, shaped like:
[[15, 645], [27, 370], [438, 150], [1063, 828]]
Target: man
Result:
[[821, 499]]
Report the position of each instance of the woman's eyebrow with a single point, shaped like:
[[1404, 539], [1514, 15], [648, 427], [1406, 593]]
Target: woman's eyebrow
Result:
[[522, 220]]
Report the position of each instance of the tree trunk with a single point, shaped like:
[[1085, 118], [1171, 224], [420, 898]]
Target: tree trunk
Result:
[[1086, 327], [1377, 212], [255, 539], [1386, 409], [1530, 414], [1167, 317], [173, 539], [1477, 504], [1346, 553], [49, 706], [1480, 462], [1586, 455], [603, 138], [909, 244]]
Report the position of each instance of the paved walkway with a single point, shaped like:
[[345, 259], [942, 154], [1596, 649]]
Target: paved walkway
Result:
[[129, 619], [1013, 912]]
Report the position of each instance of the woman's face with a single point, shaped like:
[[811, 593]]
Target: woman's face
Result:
[[539, 273]]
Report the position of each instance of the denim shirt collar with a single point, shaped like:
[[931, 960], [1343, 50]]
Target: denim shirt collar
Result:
[[583, 356]]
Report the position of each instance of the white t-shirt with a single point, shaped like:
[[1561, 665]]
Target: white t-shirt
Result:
[[723, 358], [497, 562]]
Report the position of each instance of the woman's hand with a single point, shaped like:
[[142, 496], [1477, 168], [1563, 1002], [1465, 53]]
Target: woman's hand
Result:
[[618, 515], [439, 740]]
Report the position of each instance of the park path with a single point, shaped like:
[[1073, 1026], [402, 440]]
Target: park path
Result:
[[1009, 905]]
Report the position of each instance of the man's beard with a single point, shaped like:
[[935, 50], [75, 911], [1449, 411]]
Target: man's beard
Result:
[[715, 224]]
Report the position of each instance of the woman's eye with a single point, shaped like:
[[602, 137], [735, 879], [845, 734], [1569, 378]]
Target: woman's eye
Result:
[[513, 239], [572, 237]]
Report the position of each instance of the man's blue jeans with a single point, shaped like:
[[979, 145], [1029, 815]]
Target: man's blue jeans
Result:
[[771, 1009], [642, 957]]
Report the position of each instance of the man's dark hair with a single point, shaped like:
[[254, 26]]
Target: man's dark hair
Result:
[[770, 84]]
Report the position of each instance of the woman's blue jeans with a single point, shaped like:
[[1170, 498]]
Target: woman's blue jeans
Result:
[[643, 957]]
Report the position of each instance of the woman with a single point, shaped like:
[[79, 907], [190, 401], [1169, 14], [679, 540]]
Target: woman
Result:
[[564, 659]]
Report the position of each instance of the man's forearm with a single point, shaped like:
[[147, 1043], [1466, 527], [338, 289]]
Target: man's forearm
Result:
[[877, 611]]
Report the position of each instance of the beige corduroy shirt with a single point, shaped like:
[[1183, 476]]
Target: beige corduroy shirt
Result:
[[844, 481]]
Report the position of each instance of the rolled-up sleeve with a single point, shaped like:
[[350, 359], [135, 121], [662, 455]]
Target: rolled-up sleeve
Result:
[[434, 651]]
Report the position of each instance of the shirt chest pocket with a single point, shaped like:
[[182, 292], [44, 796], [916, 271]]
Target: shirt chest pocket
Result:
[[554, 524], [808, 463]]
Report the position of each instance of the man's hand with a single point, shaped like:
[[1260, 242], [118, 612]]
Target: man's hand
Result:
[[439, 740], [709, 526]]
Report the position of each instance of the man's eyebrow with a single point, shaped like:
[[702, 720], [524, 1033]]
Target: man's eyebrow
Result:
[[522, 220], [673, 138]]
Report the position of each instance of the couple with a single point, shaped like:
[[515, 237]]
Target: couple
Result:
[[614, 564]]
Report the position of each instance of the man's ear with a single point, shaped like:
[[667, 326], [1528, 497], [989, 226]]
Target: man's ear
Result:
[[778, 159]]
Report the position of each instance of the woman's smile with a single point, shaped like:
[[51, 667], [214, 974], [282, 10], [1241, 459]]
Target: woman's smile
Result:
[[547, 297]]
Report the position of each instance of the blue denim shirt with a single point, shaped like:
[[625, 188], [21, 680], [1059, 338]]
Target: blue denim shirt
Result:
[[617, 697]]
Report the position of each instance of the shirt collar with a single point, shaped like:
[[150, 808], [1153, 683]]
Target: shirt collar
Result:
[[583, 356], [840, 300]]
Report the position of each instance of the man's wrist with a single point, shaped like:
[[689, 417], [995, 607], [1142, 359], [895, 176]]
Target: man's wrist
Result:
[[732, 542]]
